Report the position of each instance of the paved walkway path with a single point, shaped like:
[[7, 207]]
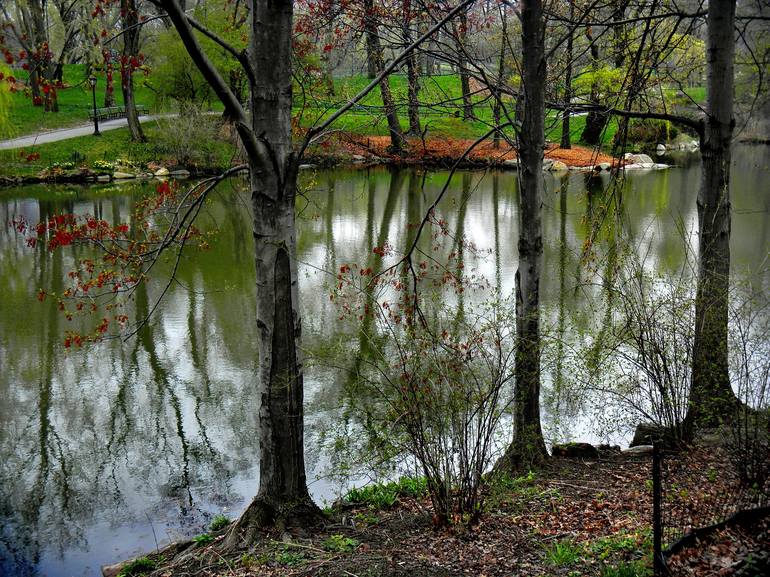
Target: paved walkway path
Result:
[[75, 131]]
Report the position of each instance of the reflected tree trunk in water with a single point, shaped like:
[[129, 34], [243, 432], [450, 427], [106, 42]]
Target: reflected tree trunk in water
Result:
[[558, 381], [458, 247], [496, 220], [368, 343]]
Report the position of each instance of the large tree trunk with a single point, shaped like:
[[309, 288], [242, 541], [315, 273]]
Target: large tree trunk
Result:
[[283, 493], [528, 445], [39, 38], [130, 53], [712, 398]]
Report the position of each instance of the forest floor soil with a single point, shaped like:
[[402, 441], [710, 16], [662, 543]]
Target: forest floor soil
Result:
[[573, 518]]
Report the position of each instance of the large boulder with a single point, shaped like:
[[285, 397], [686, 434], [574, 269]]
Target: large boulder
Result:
[[649, 433], [575, 451], [558, 166], [638, 158], [638, 450]]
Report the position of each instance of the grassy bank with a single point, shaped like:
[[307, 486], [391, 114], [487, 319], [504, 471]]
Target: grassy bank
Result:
[[168, 142], [439, 94]]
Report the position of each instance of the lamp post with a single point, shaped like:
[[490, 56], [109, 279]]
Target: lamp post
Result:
[[92, 82]]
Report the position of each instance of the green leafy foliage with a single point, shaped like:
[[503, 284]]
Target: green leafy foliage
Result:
[[203, 539], [340, 544], [289, 558], [385, 495], [627, 569]]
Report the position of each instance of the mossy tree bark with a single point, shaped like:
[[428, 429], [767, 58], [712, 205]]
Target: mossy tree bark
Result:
[[283, 496], [528, 445], [712, 398]]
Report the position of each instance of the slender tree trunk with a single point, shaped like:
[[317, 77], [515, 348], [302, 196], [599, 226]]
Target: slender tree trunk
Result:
[[391, 115], [500, 74], [712, 398], [326, 53], [109, 90], [528, 445], [565, 129], [413, 85], [370, 27], [618, 32], [461, 34], [130, 54], [595, 121]]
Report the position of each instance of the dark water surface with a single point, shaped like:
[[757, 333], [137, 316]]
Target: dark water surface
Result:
[[106, 450]]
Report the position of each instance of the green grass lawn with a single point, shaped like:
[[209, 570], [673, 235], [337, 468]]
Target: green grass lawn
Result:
[[163, 143], [74, 102], [439, 95]]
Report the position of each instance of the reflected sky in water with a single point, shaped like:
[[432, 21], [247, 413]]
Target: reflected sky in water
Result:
[[106, 450]]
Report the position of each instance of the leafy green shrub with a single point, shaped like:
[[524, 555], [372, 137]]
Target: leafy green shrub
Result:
[[61, 166], [191, 138], [289, 558], [612, 546], [102, 165], [651, 130]]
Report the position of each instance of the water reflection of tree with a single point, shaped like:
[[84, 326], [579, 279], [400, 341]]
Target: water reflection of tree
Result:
[[86, 433]]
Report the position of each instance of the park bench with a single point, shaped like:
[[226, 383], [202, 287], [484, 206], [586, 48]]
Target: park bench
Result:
[[111, 112]]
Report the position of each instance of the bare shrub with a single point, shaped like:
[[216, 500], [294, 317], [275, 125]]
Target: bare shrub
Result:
[[191, 137], [434, 382], [747, 436]]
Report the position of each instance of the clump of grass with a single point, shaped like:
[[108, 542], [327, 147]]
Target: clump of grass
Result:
[[563, 553], [219, 522], [139, 566], [631, 569]]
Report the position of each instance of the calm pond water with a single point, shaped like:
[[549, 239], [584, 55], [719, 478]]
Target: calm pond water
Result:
[[106, 450]]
